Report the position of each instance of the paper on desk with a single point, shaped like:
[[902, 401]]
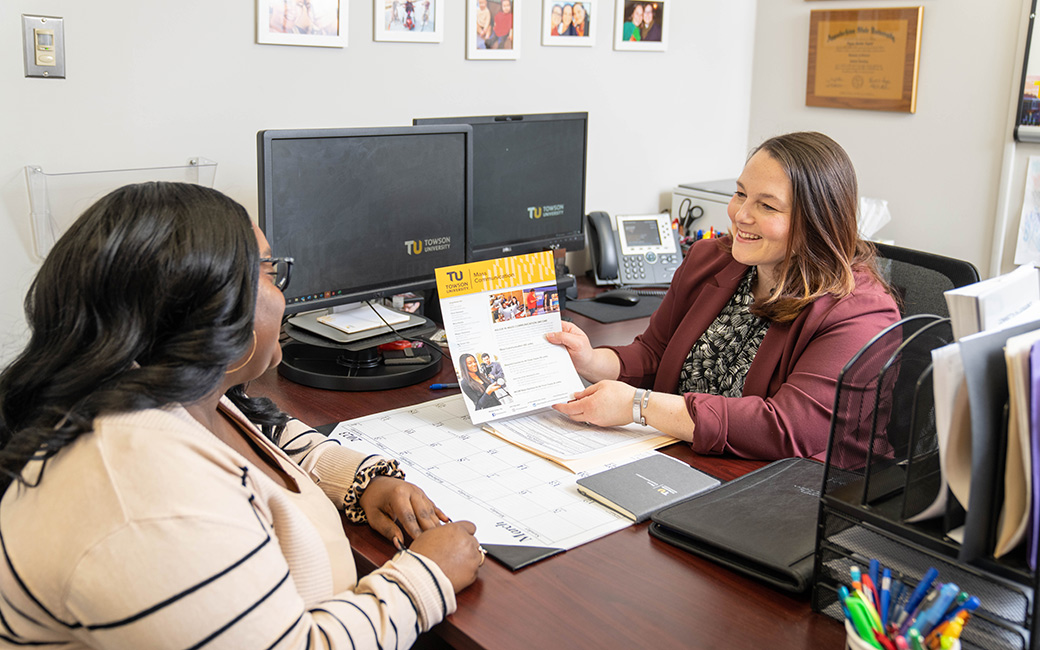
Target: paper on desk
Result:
[[953, 430], [576, 445], [525, 506], [361, 317]]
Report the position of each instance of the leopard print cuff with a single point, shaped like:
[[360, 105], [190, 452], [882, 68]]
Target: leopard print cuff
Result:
[[352, 499]]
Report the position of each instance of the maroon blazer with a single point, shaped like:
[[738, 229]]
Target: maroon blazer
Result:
[[789, 391]]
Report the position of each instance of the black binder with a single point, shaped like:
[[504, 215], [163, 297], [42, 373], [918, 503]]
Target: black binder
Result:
[[762, 524]]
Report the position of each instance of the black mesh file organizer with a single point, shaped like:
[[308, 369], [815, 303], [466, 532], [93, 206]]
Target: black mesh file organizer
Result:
[[883, 467]]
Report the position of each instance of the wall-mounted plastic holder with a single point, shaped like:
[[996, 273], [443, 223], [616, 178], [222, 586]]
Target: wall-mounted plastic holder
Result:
[[56, 200]]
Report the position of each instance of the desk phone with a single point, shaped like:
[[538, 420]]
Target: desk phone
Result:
[[633, 249]]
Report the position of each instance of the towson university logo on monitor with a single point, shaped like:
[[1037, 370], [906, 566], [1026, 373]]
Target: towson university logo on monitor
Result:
[[432, 245]]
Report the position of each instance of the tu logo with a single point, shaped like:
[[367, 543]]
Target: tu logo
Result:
[[413, 247], [454, 276], [534, 213]]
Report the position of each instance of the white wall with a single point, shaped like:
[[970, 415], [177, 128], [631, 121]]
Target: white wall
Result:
[[155, 83], [939, 168]]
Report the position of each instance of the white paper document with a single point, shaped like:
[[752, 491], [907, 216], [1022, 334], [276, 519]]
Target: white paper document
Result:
[[496, 315], [576, 445], [513, 496]]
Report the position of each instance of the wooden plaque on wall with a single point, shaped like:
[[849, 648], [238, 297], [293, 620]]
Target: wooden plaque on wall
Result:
[[864, 58]]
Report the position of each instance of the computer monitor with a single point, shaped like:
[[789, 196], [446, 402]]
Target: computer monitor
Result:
[[366, 213], [528, 183]]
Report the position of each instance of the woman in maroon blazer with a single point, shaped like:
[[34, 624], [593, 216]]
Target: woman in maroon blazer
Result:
[[744, 352]]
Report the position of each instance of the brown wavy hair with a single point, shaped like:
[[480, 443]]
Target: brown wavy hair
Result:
[[824, 248]]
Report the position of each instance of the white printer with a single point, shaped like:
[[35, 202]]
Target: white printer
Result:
[[702, 205]]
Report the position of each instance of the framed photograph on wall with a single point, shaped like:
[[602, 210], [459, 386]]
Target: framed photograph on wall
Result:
[[409, 21], [493, 29], [569, 23], [319, 23], [641, 26]]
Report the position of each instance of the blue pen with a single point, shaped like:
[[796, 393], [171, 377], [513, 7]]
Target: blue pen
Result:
[[893, 601], [843, 593], [442, 386], [929, 600], [927, 620], [917, 596], [969, 605], [886, 586]]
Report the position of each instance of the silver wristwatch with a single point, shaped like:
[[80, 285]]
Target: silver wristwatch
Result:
[[640, 402]]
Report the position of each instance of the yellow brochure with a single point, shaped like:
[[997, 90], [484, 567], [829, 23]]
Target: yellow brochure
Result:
[[496, 314]]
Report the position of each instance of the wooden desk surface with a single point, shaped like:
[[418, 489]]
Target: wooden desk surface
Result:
[[625, 590]]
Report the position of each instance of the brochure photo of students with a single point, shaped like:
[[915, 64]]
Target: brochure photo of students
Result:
[[511, 305], [542, 300], [482, 380]]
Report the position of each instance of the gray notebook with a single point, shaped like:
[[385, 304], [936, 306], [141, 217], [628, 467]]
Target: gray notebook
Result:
[[641, 488]]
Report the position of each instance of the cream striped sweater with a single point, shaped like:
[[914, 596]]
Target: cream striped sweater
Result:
[[151, 533]]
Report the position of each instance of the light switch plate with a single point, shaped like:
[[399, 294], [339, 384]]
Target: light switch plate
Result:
[[43, 39]]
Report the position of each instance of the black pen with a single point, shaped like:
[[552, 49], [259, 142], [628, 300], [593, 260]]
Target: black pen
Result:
[[442, 386]]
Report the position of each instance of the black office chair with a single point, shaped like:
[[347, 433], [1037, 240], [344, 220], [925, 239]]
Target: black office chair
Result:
[[920, 278]]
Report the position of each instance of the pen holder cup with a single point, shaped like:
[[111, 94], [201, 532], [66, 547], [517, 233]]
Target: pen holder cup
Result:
[[853, 641]]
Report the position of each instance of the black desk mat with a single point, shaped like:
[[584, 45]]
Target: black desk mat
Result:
[[607, 313]]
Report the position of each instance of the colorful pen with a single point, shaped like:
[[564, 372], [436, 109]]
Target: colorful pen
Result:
[[970, 605], [917, 596], [925, 605], [871, 590], [843, 593], [443, 386], [898, 588], [861, 620], [952, 633], [874, 572], [927, 620], [885, 642], [886, 594], [916, 642]]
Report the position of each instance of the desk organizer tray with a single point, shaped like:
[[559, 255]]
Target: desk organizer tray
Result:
[[883, 467]]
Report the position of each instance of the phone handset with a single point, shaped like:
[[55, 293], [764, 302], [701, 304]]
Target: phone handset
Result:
[[603, 246]]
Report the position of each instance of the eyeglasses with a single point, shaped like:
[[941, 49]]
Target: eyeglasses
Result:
[[282, 270]]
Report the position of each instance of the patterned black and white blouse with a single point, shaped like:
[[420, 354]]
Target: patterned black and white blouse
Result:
[[719, 361]]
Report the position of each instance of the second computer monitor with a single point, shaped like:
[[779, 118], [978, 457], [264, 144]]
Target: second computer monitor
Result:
[[528, 183]]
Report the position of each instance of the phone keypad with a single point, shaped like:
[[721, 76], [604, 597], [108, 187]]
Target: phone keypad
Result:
[[649, 267]]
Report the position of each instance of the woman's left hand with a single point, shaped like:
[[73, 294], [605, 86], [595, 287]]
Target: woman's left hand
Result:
[[391, 504], [606, 403]]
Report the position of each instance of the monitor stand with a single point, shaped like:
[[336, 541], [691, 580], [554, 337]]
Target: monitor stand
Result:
[[314, 360]]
